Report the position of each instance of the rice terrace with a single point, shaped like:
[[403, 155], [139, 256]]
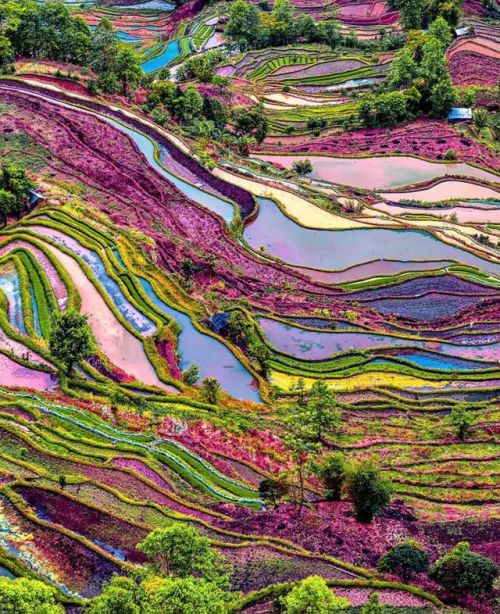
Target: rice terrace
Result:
[[249, 306]]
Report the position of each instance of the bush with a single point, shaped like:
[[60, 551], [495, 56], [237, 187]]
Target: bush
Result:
[[369, 491], [462, 571], [332, 471], [211, 390], [302, 167], [313, 595], [451, 154], [405, 559]]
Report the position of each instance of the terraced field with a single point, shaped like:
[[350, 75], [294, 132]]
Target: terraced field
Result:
[[225, 279]]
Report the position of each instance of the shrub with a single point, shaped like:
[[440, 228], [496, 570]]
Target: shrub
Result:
[[462, 418], [369, 491], [462, 571], [302, 167], [211, 390], [332, 471], [190, 375], [451, 154], [405, 559], [313, 595]]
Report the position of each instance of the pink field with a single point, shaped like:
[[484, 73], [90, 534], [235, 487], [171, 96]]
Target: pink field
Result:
[[426, 138], [379, 172], [15, 375], [464, 214]]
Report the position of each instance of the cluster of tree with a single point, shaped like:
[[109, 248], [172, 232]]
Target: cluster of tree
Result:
[[183, 573], [15, 188], [202, 67], [459, 571], [116, 64], [49, 31], [205, 116], [308, 422], [250, 28], [417, 14], [242, 332], [418, 82]]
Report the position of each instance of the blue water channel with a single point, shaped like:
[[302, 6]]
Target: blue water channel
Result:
[[11, 287], [212, 357], [137, 319], [218, 205], [171, 52], [36, 314]]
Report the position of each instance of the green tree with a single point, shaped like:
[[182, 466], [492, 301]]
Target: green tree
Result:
[[243, 27], [239, 328], [179, 550], [191, 375], [186, 596], [272, 491], [411, 14], [462, 571], [127, 68], [332, 472], [302, 167], [280, 24], [462, 419], [312, 595], [403, 70], [118, 596], [8, 205], [450, 10], [441, 31], [211, 390], [189, 105], [13, 179], [70, 339], [369, 491], [319, 415], [405, 559], [104, 48], [251, 122], [442, 97], [24, 596], [7, 56], [391, 109], [215, 111], [433, 65]]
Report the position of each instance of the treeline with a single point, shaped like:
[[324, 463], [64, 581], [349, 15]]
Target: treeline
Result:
[[417, 14], [48, 31], [252, 28], [418, 82]]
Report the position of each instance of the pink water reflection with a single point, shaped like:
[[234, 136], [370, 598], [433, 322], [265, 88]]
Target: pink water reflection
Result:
[[13, 374]]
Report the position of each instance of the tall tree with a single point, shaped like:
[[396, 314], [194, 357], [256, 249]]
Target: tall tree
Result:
[[70, 339], [180, 551], [127, 68]]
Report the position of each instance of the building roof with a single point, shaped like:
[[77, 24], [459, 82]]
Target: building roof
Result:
[[460, 113]]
